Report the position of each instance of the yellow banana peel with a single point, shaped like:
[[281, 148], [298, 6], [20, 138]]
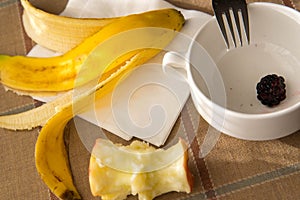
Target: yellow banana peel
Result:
[[110, 63], [59, 73], [66, 71], [115, 55], [58, 33]]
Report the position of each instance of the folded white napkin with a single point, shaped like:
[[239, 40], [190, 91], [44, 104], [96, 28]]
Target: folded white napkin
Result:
[[144, 105]]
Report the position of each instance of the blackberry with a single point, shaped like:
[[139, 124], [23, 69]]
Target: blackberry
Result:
[[271, 90]]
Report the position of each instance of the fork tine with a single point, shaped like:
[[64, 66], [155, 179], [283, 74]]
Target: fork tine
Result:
[[222, 27], [227, 14], [225, 7], [244, 12], [237, 22]]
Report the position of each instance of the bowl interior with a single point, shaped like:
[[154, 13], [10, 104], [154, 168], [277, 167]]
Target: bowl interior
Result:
[[274, 48]]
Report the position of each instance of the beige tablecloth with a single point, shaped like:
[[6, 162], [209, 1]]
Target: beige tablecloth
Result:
[[234, 169]]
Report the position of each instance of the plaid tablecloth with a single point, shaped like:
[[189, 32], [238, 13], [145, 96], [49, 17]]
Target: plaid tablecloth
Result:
[[234, 169]]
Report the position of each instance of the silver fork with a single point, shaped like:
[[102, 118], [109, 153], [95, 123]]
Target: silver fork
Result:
[[230, 9]]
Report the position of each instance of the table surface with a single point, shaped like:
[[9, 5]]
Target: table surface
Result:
[[234, 169]]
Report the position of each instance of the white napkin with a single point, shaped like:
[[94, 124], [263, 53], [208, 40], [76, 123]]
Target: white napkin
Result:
[[150, 110]]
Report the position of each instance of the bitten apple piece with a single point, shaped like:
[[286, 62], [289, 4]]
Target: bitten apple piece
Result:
[[111, 178]]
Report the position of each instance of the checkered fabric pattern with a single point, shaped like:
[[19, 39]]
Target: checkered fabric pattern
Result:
[[234, 169]]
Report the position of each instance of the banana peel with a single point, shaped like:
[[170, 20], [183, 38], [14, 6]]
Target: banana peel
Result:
[[67, 71], [59, 33], [109, 64], [59, 73]]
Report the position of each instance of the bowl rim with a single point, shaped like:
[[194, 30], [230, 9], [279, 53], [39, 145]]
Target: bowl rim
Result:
[[226, 111]]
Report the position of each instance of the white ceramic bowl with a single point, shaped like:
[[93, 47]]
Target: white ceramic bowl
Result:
[[226, 97]]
